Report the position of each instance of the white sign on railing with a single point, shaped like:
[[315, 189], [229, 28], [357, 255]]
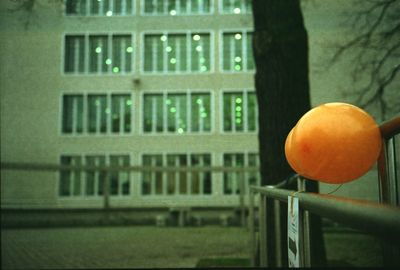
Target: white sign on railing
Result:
[[293, 231]]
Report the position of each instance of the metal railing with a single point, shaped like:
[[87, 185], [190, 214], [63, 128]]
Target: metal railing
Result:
[[380, 219], [241, 176]]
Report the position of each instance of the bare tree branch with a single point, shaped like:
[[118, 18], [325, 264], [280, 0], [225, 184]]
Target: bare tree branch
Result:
[[373, 51]]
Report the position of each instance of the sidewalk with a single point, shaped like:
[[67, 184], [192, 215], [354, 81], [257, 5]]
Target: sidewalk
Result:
[[119, 247], [155, 247]]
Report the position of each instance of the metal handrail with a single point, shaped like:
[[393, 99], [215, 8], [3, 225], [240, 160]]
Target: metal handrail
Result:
[[26, 166], [381, 219]]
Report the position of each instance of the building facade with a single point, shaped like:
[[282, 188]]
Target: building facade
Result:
[[144, 83], [128, 83]]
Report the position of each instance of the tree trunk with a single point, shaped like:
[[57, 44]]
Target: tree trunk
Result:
[[280, 47]]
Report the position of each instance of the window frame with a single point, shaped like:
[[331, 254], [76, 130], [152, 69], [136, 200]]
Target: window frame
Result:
[[245, 121], [188, 93], [166, 14], [243, 32], [85, 132], [222, 12], [175, 32], [246, 155], [95, 196], [88, 14], [164, 194], [86, 54]]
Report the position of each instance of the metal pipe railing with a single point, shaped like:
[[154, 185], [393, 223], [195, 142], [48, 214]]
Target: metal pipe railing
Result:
[[365, 215], [381, 219]]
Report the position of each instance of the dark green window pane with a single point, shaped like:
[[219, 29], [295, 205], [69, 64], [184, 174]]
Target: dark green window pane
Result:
[[74, 54]]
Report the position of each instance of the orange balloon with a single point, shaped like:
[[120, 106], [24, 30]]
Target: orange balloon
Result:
[[333, 143]]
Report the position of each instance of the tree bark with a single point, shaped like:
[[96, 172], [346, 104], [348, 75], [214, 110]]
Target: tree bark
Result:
[[280, 48]]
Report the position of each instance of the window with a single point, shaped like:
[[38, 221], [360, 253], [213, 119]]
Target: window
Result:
[[71, 181], [236, 7], [232, 180], [99, 7], [72, 114], [176, 7], [97, 114], [176, 183], [177, 53], [240, 111], [91, 183], [177, 112], [237, 55], [119, 181], [98, 54]]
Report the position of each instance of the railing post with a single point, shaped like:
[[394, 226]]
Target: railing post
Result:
[[278, 233], [306, 238], [263, 231], [387, 173], [389, 192], [304, 229], [252, 230]]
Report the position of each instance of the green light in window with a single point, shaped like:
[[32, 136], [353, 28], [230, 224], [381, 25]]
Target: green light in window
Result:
[[168, 102], [238, 36], [203, 68], [173, 61], [180, 130], [108, 111], [129, 49], [238, 59], [97, 102], [203, 115], [199, 48], [115, 69], [163, 38], [109, 13], [98, 49], [236, 10], [129, 102], [168, 49], [172, 12], [196, 37], [199, 101], [238, 114], [202, 60], [108, 61], [238, 108], [238, 100], [238, 67], [172, 110], [202, 109], [238, 120]]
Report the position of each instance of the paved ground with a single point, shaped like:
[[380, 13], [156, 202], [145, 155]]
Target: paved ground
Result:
[[118, 247], [152, 247]]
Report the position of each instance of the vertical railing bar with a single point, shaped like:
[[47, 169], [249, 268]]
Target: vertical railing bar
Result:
[[252, 229], [392, 172], [278, 234], [263, 232], [301, 216], [306, 238]]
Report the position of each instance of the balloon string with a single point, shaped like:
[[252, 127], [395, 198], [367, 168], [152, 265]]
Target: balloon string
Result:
[[336, 189]]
